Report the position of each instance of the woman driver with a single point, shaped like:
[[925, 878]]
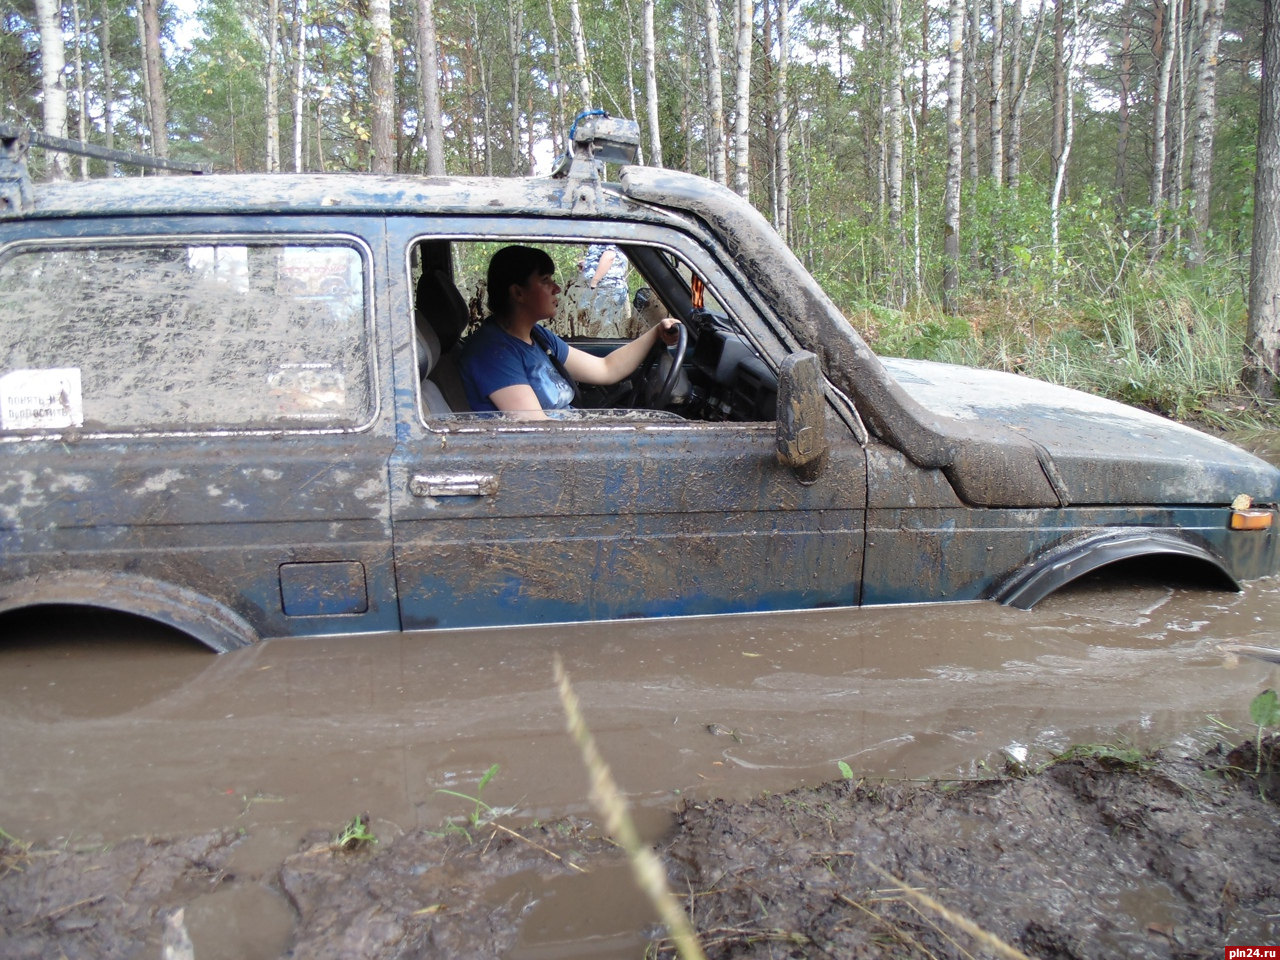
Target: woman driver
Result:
[[506, 364]]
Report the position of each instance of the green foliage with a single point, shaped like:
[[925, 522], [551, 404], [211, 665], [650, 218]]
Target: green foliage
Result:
[[1264, 710], [355, 834], [481, 812], [845, 770]]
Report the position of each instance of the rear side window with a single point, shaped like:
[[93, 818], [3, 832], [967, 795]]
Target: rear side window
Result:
[[184, 336]]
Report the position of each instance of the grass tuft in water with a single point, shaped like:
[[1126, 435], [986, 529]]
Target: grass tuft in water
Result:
[[355, 834]]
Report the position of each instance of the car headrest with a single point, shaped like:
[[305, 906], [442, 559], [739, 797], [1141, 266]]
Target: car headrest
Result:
[[428, 346], [439, 303]]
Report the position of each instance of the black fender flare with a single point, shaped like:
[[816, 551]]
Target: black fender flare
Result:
[[1060, 565], [212, 623]]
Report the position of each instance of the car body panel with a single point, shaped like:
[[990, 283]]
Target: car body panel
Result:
[[969, 484], [1101, 451]]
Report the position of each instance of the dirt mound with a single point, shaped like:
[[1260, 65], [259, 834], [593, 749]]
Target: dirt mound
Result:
[[1088, 859], [103, 904]]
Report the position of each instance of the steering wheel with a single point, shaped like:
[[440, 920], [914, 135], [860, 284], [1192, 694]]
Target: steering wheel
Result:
[[641, 376], [662, 397]]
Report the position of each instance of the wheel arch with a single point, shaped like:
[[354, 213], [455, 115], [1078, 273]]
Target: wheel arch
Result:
[[1060, 566], [206, 620]]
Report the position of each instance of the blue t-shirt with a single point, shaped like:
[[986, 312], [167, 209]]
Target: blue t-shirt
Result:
[[492, 359]]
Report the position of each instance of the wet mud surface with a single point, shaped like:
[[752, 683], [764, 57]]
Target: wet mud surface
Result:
[[1166, 857]]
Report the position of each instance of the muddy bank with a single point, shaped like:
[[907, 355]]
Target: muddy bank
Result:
[[105, 904], [1165, 858]]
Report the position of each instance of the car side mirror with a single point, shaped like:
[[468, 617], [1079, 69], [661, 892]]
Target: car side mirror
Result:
[[802, 418]]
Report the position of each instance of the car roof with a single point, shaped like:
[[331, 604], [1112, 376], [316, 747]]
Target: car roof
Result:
[[330, 193]]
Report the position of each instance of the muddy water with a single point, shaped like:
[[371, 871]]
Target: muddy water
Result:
[[110, 728]]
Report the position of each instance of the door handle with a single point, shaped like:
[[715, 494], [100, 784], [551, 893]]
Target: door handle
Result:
[[453, 485]]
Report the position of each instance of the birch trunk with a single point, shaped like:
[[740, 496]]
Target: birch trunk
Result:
[[894, 69], [429, 70], [580, 54], [1205, 115], [651, 85], [1059, 80], [53, 68], [1126, 90], [1160, 110], [971, 90], [558, 137], [82, 100], [1013, 41], [997, 92], [146, 81], [1262, 361], [108, 93], [155, 79], [742, 101], [955, 142], [1060, 174], [299, 80], [273, 86], [381, 89], [1018, 106], [784, 122], [715, 124], [515, 33]]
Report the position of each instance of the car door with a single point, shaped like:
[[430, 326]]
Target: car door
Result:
[[226, 454], [506, 522]]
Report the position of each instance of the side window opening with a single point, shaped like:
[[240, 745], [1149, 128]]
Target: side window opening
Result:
[[721, 378], [183, 336]]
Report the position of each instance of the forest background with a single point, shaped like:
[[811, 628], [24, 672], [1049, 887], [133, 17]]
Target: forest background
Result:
[[1059, 188]]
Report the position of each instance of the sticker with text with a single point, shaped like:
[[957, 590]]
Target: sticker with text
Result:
[[41, 399]]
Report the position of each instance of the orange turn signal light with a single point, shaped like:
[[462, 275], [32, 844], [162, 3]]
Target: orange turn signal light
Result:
[[1251, 519]]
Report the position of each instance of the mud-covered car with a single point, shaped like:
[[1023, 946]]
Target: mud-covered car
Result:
[[230, 404]]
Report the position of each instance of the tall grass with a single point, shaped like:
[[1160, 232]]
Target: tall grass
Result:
[[1161, 338]]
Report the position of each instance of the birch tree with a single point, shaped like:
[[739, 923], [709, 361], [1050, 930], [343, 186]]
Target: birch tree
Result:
[[515, 34], [429, 82], [1160, 111], [272, 106], [997, 92], [1020, 82], [651, 85], [108, 79], [1262, 360], [894, 70], [299, 79], [53, 68], [381, 89], [1060, 172], [742, 100], [580, 54], [955, 140], [1205, 114], [783, 119], [155, 79], [1122, 114], [715, 109], [82, 98], [557, 77]]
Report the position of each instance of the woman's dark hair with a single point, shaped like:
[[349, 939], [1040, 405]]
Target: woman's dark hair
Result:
[[514, 265]]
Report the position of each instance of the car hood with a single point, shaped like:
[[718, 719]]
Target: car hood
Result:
[[1101, 451]]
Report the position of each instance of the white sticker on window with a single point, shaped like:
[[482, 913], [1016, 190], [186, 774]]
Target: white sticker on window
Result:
[[41, 399]]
